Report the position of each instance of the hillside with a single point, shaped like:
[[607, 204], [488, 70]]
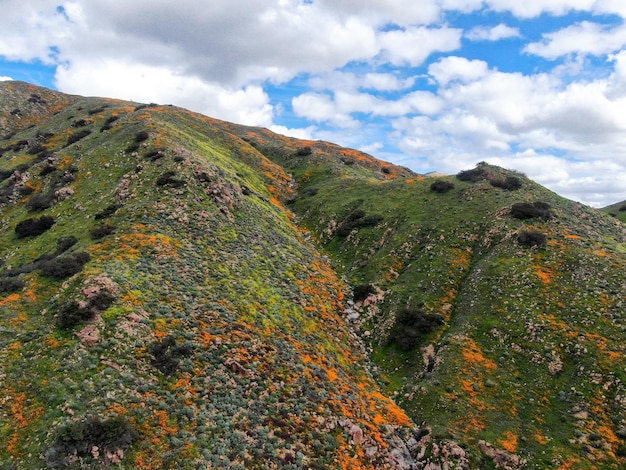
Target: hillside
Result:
[[617, 210], [182, 292]]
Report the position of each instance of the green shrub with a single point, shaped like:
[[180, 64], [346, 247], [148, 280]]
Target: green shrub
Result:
[[72, 314], [65, 243], [532, 238], [411, 325], [166, 354], [473, 175], [531, 210], [310, 191], [78, 439], [12, 284], [357, 219], [101, 231], [441, 186], [108, 123], [510, 183], [34, 227], [362, 292], [155, 154], [39, 202], [81, 123], [304, 151], [76, 136], [107, 212], [64, 266], [168, 179], [141, 136]]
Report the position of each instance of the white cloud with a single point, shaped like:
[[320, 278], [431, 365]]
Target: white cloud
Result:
[[413, 45], [337, 80], [43, 25], [249, 105], [381, 12], [5, 79], [581, 38], [533, 8], [495, 33], [457, 68]]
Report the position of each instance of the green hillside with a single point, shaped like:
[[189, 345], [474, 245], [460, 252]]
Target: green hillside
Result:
[[617, 210], [182, 292]]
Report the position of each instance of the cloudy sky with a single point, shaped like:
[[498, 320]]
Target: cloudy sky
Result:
[[533, 85]]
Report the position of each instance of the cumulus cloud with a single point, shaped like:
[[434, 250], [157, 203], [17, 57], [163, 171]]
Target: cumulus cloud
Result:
[[143, 83], [5, 79], [413, 45], [532, 8], [582, 38], [389, 76], [495, 33]]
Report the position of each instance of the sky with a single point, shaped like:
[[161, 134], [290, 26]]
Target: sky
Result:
[[538, 86]]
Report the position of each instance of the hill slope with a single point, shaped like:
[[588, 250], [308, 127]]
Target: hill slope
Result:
[[160, 308], [165, 307]]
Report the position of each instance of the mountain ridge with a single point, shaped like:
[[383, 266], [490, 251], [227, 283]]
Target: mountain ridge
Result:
[[241, 270]]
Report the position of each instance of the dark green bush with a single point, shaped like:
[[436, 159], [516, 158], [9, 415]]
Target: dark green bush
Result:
[[65, 243], [12, 284], [531, 210], [101, 231], [34, 227], [81, 123], [166, 354], [39, 202], [46, 170], [362, 292], [510, 183], [310, 191], [532, 238], [411, 325], [441, 186], [622, 208], [473, 175], [64, 266], [98, 110], [107, 212], [155, 154], [304, 151], [108, 123], [357, 219], [76, 136], [141, 136], [73, 313], [167, 179], [78, 439]]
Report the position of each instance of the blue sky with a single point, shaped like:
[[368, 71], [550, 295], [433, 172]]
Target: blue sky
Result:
[[435, 85]]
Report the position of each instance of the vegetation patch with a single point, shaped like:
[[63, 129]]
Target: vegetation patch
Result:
[[101, 231], [92, 443], [441, 186], [412, 325], [166, 354], [510, 183], [34, 227], [532, 238], [357, 219], [531, 210], [63, 267]]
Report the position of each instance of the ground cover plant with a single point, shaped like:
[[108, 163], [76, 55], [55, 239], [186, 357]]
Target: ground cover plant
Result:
[[218, 327]]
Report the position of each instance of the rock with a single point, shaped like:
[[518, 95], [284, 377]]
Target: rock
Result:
[[89, 335], [501, 458], [357, 435]]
